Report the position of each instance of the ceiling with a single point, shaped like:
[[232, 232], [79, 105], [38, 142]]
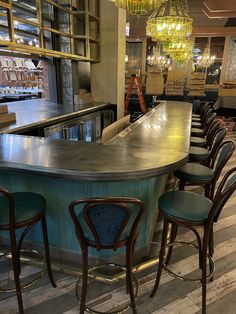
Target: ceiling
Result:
[[205, 13]]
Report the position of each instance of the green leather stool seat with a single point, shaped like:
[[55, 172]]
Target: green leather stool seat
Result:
[[196, 125], [27, 206], [197, 132], [196, 119], [194, 173], [183, 205], [198, 153], [198, 141]]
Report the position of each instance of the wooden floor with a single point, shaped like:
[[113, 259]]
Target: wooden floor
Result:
[[174, 296]]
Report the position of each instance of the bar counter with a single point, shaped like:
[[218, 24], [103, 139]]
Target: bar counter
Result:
[[135, 163], [34, 113]]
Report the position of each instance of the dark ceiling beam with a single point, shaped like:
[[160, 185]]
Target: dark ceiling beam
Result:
[[213, 31], [218, 15], [220, 6]]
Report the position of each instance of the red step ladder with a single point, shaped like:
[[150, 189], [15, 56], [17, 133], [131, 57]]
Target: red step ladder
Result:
[[135, 80]]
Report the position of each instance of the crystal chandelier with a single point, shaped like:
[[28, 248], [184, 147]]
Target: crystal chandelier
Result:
[[158, 60], [205, 60], [180, 58], [170, 22], [181, 51], [138, 7]]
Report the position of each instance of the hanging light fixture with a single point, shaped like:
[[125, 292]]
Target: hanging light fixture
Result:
[[170, 22], [158, 59], [138, 7], [181, 51], [206, 60], [180, 58]]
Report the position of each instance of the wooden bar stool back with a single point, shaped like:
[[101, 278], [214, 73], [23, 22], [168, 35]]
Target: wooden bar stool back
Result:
[[100, 223]]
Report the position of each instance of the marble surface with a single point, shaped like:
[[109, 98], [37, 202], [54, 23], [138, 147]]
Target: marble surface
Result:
[[156, 144]]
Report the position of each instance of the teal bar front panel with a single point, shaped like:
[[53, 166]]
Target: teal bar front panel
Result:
[[60, 192]]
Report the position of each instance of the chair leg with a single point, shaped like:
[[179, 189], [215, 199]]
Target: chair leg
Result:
[[19, 246], [211, 249], [181, 185], [161, 257], [212, 190], [84, 280], [208, 191], [199, 243], [16, 273], [129, 284], [204, 270], [47, 253], [132, 254], [174, 231]]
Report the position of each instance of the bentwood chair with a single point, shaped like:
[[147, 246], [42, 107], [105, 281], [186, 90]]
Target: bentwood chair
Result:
[[202, 154], [203, 110], [191, 210], [100, 224], [203, 121], [202, 130], [205, 142], [23, 210], [206, 176]]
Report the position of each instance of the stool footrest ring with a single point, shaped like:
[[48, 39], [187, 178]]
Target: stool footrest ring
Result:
[[94, 268], [33, 281], [170, 272]]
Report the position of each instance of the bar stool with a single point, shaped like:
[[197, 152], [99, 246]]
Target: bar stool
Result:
[[205, 142], [203, 115], [206, 176], [203, 109], [100, 223], [191, 210], [23, 210], [201, 132], [203, 121], [201, 154]]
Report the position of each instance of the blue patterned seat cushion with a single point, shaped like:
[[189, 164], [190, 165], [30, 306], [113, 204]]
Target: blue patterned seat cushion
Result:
[[107, 220]]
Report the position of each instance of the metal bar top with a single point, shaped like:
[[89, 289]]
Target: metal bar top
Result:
[[156, 144], [35, 113]]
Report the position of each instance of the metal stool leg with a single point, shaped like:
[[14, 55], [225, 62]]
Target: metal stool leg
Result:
[[129, 254], [204, 270], [84, 280], [199, 243], [15, 265], [19, 245], [47, 253], [173, 235], [211, 250], [161, 257], [132, 254]]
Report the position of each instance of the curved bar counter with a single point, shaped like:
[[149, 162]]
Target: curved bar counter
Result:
[[135, 163]]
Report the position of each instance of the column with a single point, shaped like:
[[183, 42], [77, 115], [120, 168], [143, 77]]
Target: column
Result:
[[108, 76]]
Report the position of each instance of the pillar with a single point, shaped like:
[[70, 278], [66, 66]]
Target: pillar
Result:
[[108, 76]]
